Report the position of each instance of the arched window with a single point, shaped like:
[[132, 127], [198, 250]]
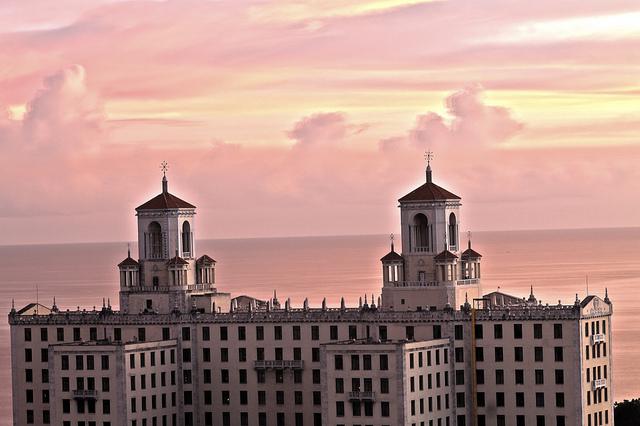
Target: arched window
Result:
[[453, 231], [155, 240], [186, 239], [421, 232]]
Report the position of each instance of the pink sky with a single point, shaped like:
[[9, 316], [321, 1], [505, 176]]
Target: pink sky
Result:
[[311, 118]]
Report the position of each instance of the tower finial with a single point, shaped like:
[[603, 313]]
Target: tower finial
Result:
[[469, 238], [128, 249], [428, 155], [164, 166], [391, 239]]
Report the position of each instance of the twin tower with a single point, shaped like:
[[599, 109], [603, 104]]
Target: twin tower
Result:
[[432, 272]]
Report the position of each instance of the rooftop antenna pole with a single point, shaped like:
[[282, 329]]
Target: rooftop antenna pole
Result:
[[164, 166], [36, 299], [428, 155], [587, 281]]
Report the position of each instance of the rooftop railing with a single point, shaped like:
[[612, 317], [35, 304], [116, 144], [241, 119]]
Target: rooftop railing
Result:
[[85, 394], [279, 364], [362, 396]]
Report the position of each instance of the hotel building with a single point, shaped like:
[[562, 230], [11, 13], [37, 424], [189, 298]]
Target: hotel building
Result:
[[432, 350]]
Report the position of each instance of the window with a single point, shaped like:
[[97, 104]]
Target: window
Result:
[[479, 354], [519, 399], [315, 332], [459, 377], [366, 362], [206, 334], [537, 331], [384, 385], [519, 377], [333, 331], [437, 331], [384, 362], [186, 333], [497, 331], [339, 408], [60, 334], [517, 331], [355, 362], [458, 332], [500, 399], [242, 333], [499, 377], [557, 331], [382, 332], [539, 399], [141, 334], [384, 409], [338, 362], [559, 377], [277, 332], [559, 399], [339, 385], [460, 399], [499, 354], [76, 334], [518, 354], [539, 377], [538, 352], [296, 332], [479, 331], [259, 332], [459, 354], [224, 333], [559, 355], [409, 332]]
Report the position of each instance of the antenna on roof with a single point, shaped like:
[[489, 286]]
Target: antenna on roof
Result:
[[164, 166], [36, 299], [428, 155], [587, 283]]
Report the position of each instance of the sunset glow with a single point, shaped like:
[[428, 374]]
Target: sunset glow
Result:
[[305, 118]]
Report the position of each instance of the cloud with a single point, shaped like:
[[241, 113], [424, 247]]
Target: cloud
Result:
[[323, 128], [472, 123], [64, 113]]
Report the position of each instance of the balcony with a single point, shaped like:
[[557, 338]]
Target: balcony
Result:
[[362, 396], [85, 394], [416, 284], [144, 289], [597, 338], [279, 364], [468, 281], [200, 287], [597, 384], [421, 249]]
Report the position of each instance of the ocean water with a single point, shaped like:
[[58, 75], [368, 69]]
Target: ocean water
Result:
[[556, 263]]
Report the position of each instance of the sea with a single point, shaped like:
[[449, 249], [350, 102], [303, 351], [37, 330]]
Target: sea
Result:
[[558, 264]]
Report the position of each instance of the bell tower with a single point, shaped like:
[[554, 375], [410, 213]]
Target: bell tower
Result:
[[167, 276], [430, 224]]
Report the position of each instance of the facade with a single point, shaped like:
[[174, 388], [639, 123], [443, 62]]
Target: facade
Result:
[[429, 352]]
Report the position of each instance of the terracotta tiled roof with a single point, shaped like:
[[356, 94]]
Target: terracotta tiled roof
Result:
[[470, 254], [205, 260], [428, 192], [392, 256], [445, 255], [165, 201], [177, 260], [129, 261]]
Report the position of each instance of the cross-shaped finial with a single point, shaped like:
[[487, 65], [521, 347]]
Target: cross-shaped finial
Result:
[[428, 155], [391, 237], [164, 166]]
